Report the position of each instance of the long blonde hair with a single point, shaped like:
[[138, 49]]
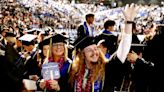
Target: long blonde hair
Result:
[[79, 62]]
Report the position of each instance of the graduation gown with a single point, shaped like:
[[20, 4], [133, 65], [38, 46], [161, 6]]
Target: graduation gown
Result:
[[137, 76], [31, 67], [153, 54], [111, 41], [83, 30], [11, 73], [113, 75], [64, 79]]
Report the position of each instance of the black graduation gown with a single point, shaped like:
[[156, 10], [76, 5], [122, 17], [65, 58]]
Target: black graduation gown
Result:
[[81, 32], [110, 41], [11, 74], [113, 75], [153, 53], [31, 67], [139, 75]]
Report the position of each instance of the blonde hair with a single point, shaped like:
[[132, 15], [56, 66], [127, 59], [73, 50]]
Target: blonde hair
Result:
[[79, 63]]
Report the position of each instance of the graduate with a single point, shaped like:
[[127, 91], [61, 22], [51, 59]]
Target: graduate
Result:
[[90, 72], [58, 54], [137, 69], [152, 53], [11, 74], [110, 39], [87, 71], [88, 68], [44, 46], [87, 29], [114, 70], [29, 54]]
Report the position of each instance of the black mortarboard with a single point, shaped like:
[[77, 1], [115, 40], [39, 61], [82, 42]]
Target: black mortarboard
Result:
[[10, 34], [108, 40], [84, 42], [59, 38], [44, 42], [136, 46], [28, 39]]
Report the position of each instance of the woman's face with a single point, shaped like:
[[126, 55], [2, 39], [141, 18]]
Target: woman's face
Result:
[[58, 49], [45, 49], [91, 53]]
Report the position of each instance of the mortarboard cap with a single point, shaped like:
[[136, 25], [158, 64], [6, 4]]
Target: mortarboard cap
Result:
[[44, 42], [84, 42], [10, 34], [59, 38], [136, 46], [108, 41], [28, 39]]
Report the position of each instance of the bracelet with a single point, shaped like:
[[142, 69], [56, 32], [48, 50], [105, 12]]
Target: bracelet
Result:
[[129, 22]]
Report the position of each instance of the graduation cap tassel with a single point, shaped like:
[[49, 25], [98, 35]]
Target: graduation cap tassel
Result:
[[50, 47]]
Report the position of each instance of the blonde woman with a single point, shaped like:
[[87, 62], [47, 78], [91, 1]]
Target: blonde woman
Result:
[[59, 55]]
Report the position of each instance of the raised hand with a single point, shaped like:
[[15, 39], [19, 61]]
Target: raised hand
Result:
[[130, 12]]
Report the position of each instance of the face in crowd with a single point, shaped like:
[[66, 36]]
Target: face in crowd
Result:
[[45, 49], [91, 53], [58, 49]]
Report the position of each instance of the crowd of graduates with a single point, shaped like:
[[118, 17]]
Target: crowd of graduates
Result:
[[95, 62]]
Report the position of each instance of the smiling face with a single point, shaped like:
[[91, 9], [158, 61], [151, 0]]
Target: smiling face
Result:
[[91, 53], [58, 49]]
